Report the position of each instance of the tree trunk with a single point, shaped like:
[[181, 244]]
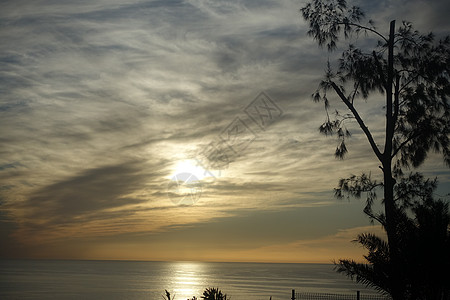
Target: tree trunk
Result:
[[391, 230], [389, 182]]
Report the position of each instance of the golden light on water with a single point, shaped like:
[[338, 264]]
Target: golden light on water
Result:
[[187, 280]]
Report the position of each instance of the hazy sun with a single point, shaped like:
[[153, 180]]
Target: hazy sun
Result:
[[190, 166]]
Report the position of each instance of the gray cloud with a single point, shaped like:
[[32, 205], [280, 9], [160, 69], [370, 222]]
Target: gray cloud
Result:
[[93, 191], [101, 99]]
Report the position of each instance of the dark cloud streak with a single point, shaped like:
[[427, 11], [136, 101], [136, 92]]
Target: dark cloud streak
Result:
[[95, 191]]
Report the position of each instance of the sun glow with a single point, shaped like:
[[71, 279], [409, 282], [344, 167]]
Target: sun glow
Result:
[[191, 167]]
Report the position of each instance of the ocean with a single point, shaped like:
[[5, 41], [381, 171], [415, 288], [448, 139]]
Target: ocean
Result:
[[72, 279]]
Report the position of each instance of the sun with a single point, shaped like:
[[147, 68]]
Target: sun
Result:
[[192, 167], [185, 186]]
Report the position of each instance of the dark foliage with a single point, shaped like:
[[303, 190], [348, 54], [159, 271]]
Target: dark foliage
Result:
[[214, 294], [420, 81], [425, 259], [411, 71]]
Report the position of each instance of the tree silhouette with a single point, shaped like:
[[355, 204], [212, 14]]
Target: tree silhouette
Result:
[[167, 295], [424, 247], [411, 70], [213, 294]]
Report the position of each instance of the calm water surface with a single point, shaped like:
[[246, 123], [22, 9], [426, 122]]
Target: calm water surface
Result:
[[59, 279]]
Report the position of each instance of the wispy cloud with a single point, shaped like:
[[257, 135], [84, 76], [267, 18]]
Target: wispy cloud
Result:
[[101, 99]]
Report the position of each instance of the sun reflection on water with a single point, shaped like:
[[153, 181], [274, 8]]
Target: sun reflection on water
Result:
[[188, 280]]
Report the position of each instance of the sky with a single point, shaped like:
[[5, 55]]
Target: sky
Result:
[[108, 109]]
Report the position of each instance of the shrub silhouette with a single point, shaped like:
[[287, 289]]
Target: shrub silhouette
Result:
[[214, 294]]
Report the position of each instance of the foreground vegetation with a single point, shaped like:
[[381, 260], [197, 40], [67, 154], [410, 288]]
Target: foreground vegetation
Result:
[[407, 74], [208, 294]]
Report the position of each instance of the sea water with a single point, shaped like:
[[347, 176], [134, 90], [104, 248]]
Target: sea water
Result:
[[72, 279]]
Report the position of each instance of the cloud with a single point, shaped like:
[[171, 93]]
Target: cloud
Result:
[[93, 191], [101, 100], [102, 198], [323, 249], [425, 15]]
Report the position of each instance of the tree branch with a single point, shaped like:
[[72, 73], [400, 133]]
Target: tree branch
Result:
[[354, 93], [375, 217], [410, 80], [394, 153], [358, 119], [364, 28]]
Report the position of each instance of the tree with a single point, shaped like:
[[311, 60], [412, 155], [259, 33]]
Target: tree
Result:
[[411, 70], [424, 247]]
